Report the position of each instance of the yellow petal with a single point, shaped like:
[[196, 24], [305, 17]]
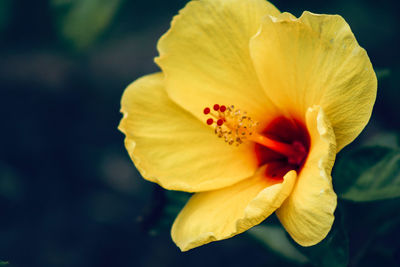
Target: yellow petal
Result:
[[307, 214], [316, 60], [220, 214], [205, 56], [174, 149]]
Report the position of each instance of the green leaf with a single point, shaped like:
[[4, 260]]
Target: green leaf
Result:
[[385, 139], [333, 251], [3, 263], [274, 238], [81, 22], [368, 174], [382, 73]]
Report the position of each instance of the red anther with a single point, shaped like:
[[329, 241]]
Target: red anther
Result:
[[222, 108], [210, 121], [216, 107], [220, 122], [206, 111]]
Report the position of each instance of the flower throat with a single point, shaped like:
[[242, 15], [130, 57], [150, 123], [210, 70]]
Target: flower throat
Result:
[[284, 142]]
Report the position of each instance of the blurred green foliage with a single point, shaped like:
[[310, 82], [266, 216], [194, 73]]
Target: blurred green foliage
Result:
[[5, 12], [275, 239], [368, 174], [81, 22], [382, 74]]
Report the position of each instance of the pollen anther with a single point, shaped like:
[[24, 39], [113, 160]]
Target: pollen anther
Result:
[[231, 124]]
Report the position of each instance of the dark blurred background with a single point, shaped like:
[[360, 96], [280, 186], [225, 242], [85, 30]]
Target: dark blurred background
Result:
[[69, 194]]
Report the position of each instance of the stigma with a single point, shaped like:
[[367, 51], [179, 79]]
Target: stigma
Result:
[[236, 127]]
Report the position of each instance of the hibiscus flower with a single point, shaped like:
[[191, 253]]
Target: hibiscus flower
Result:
[[248, 113]]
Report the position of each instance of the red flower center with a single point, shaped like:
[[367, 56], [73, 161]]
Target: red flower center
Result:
[[292, 142]]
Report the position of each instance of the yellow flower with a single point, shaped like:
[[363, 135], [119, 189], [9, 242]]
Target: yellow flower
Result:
[[301, 90]]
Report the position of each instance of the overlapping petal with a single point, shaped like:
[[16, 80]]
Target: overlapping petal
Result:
[[316, 60], [205, 56], [307, 214], [220, 214], [174, 149]]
